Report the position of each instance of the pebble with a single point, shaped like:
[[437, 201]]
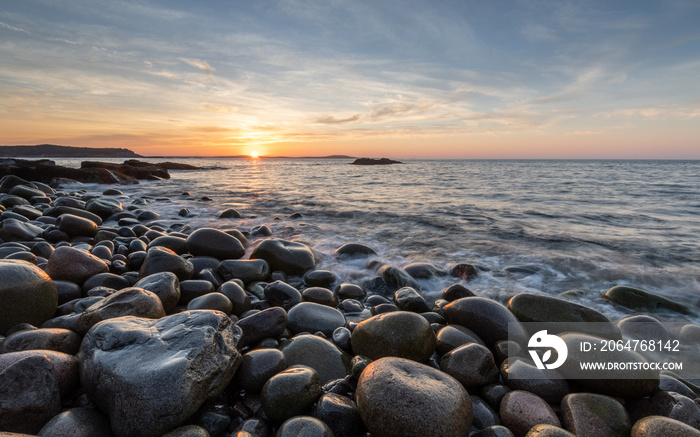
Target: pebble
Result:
[[397, 397], [340, 413], [408, 299], [667, 404], [637, 299], [319, 354], [290, 393], [269, 323], [257, 367], [161, 259], [454, 336], [211, 301], [281, 294], [521, 374], [354, 250], [322, 296], [165, 285], [521, 410], [59, 340], [471, 364], [399, 334]]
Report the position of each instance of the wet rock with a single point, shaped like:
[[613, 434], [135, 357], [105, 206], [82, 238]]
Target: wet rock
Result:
[[322, 296], [161, 386], [667, 404], [78, 422], [290, 257], [211, 301], [487, 318], [261, 231], [282, 294], [494, 393], [127, 302], [194, 288], [354, 249], [58, 210], [456, 291], [290, 393], [484, 415], [521, 410], [654, 426], [471, 364], [14, 230], [421, 270], [59, 340], [319, 278], [229, 213], [76, 226], [319, 354], [544, 430], [109, 280], [463, 271], [399, 397], [637, 299], [172, 242], [65, 366], [240, 301], [397, 277], [83, 265], [257, 367], [531, 307], [246, 270], [29, 395], [340, 414], [312, 317], [214, 243], [188, 431], [398, 334], [161, 259], [521, 374], [408, 299], [341, 337], [350, 291], [594, 415], [643, 327], [454, 336], [27, 294], [268, 323], [104, 207], [304, 426], [165, 285]]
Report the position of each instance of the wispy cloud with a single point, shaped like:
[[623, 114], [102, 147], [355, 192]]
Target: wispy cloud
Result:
[[12, 28], [198, 63], [329, 119]]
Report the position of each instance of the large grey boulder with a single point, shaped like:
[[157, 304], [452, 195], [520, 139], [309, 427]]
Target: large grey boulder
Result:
[[27, 294], [150, 376]]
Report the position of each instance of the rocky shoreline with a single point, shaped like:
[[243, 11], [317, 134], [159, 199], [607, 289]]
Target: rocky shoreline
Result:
[[117, 321]]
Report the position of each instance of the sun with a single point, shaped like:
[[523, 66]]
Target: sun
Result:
[[254, 154]]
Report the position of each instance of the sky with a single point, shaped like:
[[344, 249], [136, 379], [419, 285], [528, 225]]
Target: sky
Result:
[[393, 78]]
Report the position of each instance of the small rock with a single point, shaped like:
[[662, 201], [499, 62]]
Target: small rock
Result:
[[290, 257], [487, 318], [127, 302], [161, 259], [165, 285], [340, 414], [257, 367], [83, 265], [246, 270], [304, 426], [595, 415], [654, 426], [281, 294], [214, 243], [637, 299], [354, 249], [521, 410], [408, 299], [471, 364], [77, 422], [290, 393], [319, 354], [398, 334], [268, 323], [312, 317]]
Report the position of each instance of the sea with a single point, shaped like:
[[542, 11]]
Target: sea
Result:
[[538, 226]]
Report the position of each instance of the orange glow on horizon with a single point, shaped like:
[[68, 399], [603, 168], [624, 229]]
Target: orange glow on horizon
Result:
[[254, 154]]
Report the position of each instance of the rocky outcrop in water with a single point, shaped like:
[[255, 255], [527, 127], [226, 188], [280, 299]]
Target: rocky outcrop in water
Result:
[[372, 161]]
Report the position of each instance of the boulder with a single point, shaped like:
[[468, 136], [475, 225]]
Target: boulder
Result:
[[398, 397], [150, 376], [130, 301], [27, 294], [165, 285]]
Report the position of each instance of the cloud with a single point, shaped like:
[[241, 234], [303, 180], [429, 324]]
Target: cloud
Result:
[[215, 108], [538, 32], [653, 113], [12, 28], [198, 63], [329, 119]]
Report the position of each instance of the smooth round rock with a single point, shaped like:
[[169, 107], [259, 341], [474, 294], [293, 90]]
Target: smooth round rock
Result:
[[593, 414], [312, 317], [149, 376], [65, 366], [456, 291], [319, 278], [521, 410], [240, 301], [322, 296], [188, 431], [78, 422], [27, 294], [215, 243], [643, 327], [319, 354], [340, 414], [165, 285], [304, 426], [76, 226], [211, 301], [281, 294], [174, 243], [471, 364], [127, 302], [544, 430], [422, 270], [109, 280], [353, 250], [29, 395], [531, 307], [247, 270], [74, 265], [350, 291], [487, 318], [268, 323], [397, 278], [637, 299], [290, 393], [399, 397], [290, 257], [257, 367], [396, 334], [453, 336], [408, 299], [484, 415], [59, 340], [655, 426], [14, 230], [160, 259], [667, 404]]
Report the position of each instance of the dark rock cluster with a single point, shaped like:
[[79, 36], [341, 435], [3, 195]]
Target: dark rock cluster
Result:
[[115, 321]]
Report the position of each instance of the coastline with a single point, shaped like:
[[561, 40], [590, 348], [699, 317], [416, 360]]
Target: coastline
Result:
[[280, 311]]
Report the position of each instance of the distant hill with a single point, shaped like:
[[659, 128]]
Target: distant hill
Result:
[[54, 151]]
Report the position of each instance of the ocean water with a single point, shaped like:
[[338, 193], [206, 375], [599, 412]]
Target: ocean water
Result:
[[586, 225]]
